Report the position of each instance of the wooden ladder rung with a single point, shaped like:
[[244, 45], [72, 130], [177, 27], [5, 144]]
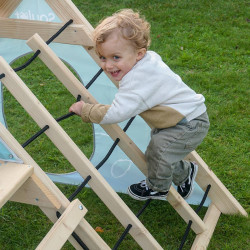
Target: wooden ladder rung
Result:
[[64, 227], [12, 177], [186, 211], [211, 218]]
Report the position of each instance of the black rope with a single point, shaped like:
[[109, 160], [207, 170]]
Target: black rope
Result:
[[85, 182], [128, 124], [76, 192], [40, 132], [35, 136], [108, 154], [122, 237], [94, 78], [143, 208], [79, 241], [130, 226], [184, 238], [59, 31], [76, 237], [197, 210], [48, 42], [28, 62], [114, 144], [2, 75], [63, 117]]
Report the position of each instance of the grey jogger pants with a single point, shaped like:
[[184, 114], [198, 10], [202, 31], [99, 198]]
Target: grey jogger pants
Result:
[[167, 149]]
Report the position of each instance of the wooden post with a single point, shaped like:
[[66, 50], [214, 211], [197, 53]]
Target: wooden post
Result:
[[64, 227], [211, 218]]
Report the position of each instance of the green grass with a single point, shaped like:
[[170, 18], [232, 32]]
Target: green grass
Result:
[[207, 44]]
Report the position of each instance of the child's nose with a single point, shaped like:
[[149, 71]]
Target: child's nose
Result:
[[109, 64]]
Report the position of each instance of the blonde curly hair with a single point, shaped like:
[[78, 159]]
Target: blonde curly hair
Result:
[[131, 25]]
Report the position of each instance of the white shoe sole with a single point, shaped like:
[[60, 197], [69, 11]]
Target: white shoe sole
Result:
[[139, 198]]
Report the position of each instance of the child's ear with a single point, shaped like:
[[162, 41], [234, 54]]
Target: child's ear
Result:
[[140, 54]]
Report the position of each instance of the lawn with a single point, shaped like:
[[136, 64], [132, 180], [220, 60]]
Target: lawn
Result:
[[207, 44]]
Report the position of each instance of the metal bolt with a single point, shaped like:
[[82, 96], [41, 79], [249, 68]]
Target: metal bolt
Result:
[[80, 207]]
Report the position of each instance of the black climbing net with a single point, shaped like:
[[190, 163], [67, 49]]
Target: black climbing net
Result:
[[100, 164]]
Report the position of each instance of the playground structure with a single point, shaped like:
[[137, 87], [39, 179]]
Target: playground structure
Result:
[[26, 182]]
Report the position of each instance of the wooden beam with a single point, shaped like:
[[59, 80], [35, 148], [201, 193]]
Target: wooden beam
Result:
[[218, 193], [75, 156], [12, 177], [34, 192], [64, 227], [8, 6], [84, 230], [211, 218], [23, 29], [66, 10], [185, 211]]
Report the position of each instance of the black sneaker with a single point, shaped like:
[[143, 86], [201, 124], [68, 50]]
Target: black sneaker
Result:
[[186, 188], [140, 191]]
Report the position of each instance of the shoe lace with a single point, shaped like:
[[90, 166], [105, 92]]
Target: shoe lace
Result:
[[143, 184], [183, 185]]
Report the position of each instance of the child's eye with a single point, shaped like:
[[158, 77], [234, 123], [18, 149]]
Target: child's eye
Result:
[[102, 58], [116, 57]]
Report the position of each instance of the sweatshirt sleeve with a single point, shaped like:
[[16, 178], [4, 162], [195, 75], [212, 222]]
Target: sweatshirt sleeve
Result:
[[125, 105], [94, 112]]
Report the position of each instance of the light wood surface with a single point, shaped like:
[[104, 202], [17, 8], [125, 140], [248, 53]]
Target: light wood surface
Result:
[[23, 29], [64, 227], [12, 177]]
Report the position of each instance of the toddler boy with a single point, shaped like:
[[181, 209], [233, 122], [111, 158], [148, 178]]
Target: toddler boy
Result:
[[149, 88]]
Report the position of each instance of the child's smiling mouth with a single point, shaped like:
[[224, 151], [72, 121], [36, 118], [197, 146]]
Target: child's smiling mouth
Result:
[[115, 73]]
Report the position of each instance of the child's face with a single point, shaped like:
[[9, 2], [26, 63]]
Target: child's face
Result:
[[118, 56]]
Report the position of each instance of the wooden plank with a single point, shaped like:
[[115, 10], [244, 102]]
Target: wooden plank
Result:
[[211, 218], [66, 10], [24, 29], [90, 237], [64, 227], [218, 193], [48, 56], [75, 156], [12, 177], [185, 211], [34, 192], [8, 6]]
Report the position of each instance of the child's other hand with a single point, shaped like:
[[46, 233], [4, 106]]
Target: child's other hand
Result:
[[77, 107]]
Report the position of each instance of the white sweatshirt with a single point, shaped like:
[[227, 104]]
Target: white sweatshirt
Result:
[[152, 90]]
